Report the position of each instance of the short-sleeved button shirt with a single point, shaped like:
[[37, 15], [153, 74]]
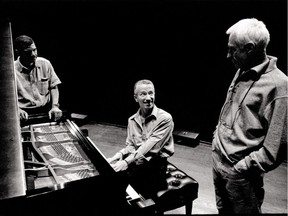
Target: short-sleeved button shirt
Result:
[[34, 88]]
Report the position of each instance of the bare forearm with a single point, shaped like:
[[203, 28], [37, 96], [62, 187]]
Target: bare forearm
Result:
[[55, 95]]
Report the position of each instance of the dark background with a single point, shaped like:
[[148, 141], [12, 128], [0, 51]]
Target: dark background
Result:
[[99, 49]]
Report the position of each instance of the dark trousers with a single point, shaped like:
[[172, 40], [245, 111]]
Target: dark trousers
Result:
[[149, 177], [236, 193]]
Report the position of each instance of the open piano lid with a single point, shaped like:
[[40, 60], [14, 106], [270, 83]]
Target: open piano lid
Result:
[[12, 177]]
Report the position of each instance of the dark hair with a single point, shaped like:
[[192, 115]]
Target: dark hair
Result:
[[22, 42]]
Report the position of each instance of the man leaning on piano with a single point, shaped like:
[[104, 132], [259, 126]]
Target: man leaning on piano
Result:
[[37, 82]]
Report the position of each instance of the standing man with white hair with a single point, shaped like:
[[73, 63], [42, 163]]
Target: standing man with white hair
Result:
[[251, 136]]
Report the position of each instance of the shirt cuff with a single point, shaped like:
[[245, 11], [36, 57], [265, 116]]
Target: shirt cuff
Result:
[[241, 166]]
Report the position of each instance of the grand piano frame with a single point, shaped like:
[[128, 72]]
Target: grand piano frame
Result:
[[34, 182]]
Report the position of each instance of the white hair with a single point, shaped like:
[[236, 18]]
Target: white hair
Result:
[[250, 30]]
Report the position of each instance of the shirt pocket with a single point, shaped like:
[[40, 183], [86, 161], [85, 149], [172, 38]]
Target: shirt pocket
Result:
[[43, 86]]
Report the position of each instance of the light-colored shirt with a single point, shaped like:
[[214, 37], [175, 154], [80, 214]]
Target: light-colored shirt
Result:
[[151, 138], [252, 127], [34, 88]]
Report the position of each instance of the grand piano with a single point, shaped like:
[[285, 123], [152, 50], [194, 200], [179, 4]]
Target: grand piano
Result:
[[52, 168]]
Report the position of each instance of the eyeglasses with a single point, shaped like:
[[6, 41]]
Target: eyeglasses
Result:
[[229, 113], [232, 109]]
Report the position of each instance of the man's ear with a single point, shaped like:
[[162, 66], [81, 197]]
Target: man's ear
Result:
[[135, 98], [250, 47]]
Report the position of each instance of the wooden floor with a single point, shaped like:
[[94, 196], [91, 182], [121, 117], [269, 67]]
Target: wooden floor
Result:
[[196, 162]]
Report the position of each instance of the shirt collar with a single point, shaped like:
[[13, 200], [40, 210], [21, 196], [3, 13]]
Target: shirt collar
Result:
[[22, 68], [259, 68], [253, 73], [153, 113]]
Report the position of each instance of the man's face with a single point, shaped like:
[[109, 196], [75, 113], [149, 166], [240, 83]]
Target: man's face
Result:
[[237, 53], [28, 56], [145, 96]]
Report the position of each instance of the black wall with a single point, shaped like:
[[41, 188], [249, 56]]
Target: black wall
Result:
[[99, 49]]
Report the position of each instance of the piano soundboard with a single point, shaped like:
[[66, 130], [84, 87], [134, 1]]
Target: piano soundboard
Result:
[[53, 155]]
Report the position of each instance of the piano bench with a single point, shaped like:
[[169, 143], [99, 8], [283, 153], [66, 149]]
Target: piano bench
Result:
[[181, 190]]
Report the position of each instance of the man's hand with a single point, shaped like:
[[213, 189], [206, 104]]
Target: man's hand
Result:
[[23, 115], [110, 160], [117, 156], [56, 113], [120, 165]]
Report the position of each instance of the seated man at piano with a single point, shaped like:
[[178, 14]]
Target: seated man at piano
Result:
[[149, 143], [37, 82]]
